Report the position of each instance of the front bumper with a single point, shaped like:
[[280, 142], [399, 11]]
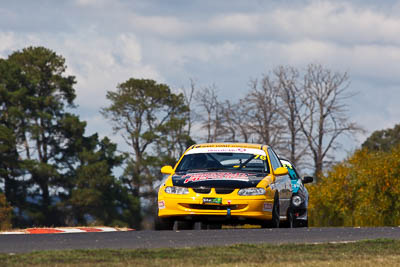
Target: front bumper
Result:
[[232, 206]]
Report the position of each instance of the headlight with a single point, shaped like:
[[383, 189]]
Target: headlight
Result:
[[176, 190], [252, 191], [296, 201]]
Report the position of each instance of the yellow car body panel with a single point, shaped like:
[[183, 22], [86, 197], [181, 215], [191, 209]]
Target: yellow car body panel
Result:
[[192, 204]]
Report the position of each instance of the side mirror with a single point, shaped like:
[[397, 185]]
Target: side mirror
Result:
[[167, 170], [307, 179], [281, 171]]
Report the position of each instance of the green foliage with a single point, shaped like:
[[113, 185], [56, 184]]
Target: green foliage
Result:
[[152, 121], [383, 140], [43, 94], [97, 195], [44, 69], [363, 190], [13, 97], [5, 213], [52, 173], [8, 156]]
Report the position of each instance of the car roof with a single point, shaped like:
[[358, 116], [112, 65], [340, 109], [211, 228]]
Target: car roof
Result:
[[243, 145]]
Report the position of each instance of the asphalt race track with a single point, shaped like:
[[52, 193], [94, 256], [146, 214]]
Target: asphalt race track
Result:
[[188, 238]]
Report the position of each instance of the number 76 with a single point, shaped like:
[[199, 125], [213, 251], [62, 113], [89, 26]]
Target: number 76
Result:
[[260, 157]]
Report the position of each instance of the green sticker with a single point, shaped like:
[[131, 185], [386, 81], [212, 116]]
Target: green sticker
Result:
[[212, 200]]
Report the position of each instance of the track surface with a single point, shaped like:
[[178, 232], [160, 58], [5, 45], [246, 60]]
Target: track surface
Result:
[[189, 238]]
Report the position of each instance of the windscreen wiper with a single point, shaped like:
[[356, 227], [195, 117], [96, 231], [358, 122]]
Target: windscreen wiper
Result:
[[244, 163], [215, 169]]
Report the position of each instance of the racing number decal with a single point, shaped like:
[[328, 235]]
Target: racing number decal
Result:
[[288, 166], [260, 157]]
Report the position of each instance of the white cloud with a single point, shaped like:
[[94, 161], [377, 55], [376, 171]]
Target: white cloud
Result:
[[91, 2], [176, 57], [110, 41], [322, 20], [342, 22], [166, 26], [303, 51], [210, 53], [375, 61], [11, 42], [372, 61], [101, 63], [7, 41], [236, 23], [130, 48]]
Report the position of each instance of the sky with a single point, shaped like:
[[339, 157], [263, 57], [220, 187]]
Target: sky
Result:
[[225, 43]]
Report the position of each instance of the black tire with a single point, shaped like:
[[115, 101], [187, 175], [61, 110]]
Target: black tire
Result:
[[275, 221], [301, 223], [163, 223], [275, 213], [199, 226], [214, 226], [206, 226], [290, 220], [184, 225]]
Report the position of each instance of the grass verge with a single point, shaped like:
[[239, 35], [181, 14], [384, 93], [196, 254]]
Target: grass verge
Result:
[[381, 252]]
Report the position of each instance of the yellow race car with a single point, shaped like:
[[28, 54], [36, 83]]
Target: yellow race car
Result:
[[224, 183]]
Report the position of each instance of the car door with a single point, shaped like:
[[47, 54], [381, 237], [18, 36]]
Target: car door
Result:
[[282, 184]]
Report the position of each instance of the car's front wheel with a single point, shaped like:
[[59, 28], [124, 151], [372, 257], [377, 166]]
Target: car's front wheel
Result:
[[163, 223], [207, 226], [301, 223], [290, 221], [274, 223], [183, 225]]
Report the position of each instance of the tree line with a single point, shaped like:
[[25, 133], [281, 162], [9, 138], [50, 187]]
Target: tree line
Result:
[[363, 189], [52, 173]]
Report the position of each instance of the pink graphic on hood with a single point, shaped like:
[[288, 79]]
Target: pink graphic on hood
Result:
[[196, 177]]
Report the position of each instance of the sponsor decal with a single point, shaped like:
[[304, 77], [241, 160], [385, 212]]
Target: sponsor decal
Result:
[[281, 185], [267, 206], [218, 150], [196, 177], [296, 185], [287, 164], [228, 145], [212, 200], [161, 204], [227, 149]]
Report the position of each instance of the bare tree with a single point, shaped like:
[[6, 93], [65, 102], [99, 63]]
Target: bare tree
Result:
[[235, 121], [300, 115], [263, 111], [323, 115], [188, 95], [289, 104], [210, 114]]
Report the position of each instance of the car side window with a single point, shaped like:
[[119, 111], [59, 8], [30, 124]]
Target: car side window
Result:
[[292, 171], [274, 159], [295, 174]]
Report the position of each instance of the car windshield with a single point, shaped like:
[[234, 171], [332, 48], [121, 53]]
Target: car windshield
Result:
[[223, 161]]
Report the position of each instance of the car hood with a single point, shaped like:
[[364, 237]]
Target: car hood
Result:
[[217, 179]]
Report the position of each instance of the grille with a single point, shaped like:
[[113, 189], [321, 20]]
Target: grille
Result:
[[207, 190], [224, 190], [202, 190]]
